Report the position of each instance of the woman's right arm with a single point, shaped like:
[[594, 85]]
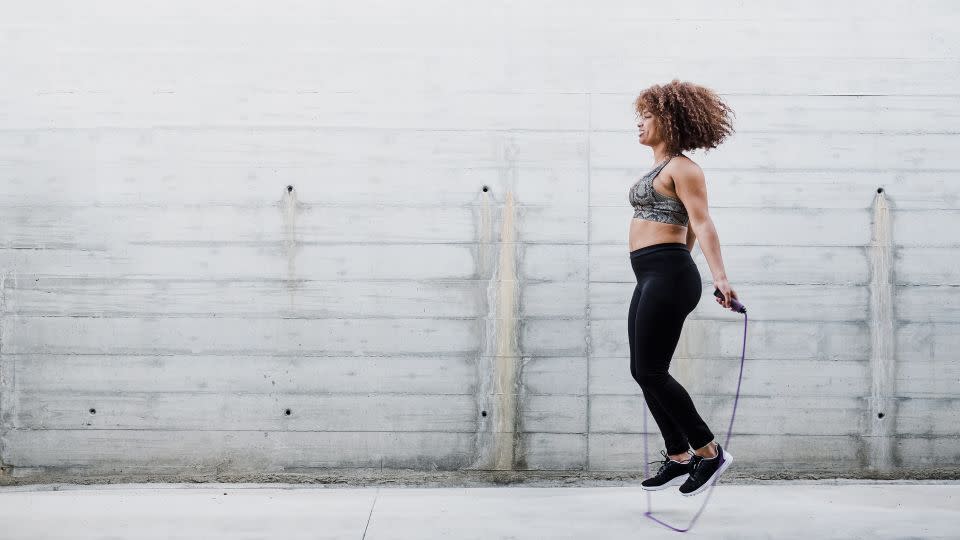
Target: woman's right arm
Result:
[[691, 187]]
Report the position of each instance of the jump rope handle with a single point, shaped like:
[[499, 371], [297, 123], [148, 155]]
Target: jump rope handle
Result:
[[734, 304]]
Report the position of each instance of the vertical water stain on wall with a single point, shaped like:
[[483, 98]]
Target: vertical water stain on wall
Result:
[[505, 389], [882, 401], [3, 304], [498, 362], [6, 378], [290, 211]]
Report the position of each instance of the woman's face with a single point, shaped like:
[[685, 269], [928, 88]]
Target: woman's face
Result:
[[647, 126]]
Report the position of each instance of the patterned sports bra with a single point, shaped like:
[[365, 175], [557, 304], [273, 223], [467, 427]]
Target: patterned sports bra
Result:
[[651, 205]]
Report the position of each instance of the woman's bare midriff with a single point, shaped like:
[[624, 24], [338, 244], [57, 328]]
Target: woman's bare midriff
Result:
[[645, 233]]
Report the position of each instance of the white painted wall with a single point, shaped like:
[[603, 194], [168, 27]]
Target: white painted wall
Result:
[[155, 268]]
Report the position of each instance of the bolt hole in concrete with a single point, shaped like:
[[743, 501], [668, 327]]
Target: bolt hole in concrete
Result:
[[485, 189], [879, 190], [287, 412], [289, 189], [879, 415], [93, 411], [483, 413]]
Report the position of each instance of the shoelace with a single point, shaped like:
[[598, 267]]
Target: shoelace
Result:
[[663, 462]]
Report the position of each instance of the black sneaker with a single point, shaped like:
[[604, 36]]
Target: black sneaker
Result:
[[671, 473], [704, 472]]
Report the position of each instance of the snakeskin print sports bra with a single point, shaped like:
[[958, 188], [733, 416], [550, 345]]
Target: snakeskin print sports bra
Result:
[[651, 205]]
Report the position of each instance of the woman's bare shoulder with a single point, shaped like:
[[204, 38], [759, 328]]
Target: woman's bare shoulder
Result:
[[685, 168]]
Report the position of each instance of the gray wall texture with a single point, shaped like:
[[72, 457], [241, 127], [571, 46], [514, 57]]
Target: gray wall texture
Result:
[[360, 235]]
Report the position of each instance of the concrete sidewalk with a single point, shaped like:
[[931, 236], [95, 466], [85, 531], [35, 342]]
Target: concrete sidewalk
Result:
[[796, 509]]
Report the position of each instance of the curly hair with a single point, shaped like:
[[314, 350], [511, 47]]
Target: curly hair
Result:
[[689, 116]]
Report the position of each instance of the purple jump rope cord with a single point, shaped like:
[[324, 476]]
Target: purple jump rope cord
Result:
[[646, 467]]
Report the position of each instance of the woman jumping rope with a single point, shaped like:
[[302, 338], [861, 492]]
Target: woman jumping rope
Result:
[[671, 212]]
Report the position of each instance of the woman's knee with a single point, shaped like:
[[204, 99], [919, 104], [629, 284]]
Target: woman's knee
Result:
[[648, 379]]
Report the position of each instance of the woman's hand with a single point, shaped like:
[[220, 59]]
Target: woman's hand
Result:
[[728, 293]]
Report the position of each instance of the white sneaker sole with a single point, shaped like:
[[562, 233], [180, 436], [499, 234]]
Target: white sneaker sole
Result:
[[674, 482], [727, 461]]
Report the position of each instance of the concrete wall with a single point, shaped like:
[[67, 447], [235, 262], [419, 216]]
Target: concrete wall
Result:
[[251, 241]]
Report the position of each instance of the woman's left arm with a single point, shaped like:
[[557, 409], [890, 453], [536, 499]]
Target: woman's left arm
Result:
[[691, 187]]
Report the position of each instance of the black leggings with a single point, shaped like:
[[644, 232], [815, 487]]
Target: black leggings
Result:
[[668, 288]]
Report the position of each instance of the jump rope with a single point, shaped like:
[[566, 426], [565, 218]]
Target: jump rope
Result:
[[739, 308]]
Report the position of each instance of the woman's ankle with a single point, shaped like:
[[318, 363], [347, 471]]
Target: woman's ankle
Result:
[[709, 451]]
